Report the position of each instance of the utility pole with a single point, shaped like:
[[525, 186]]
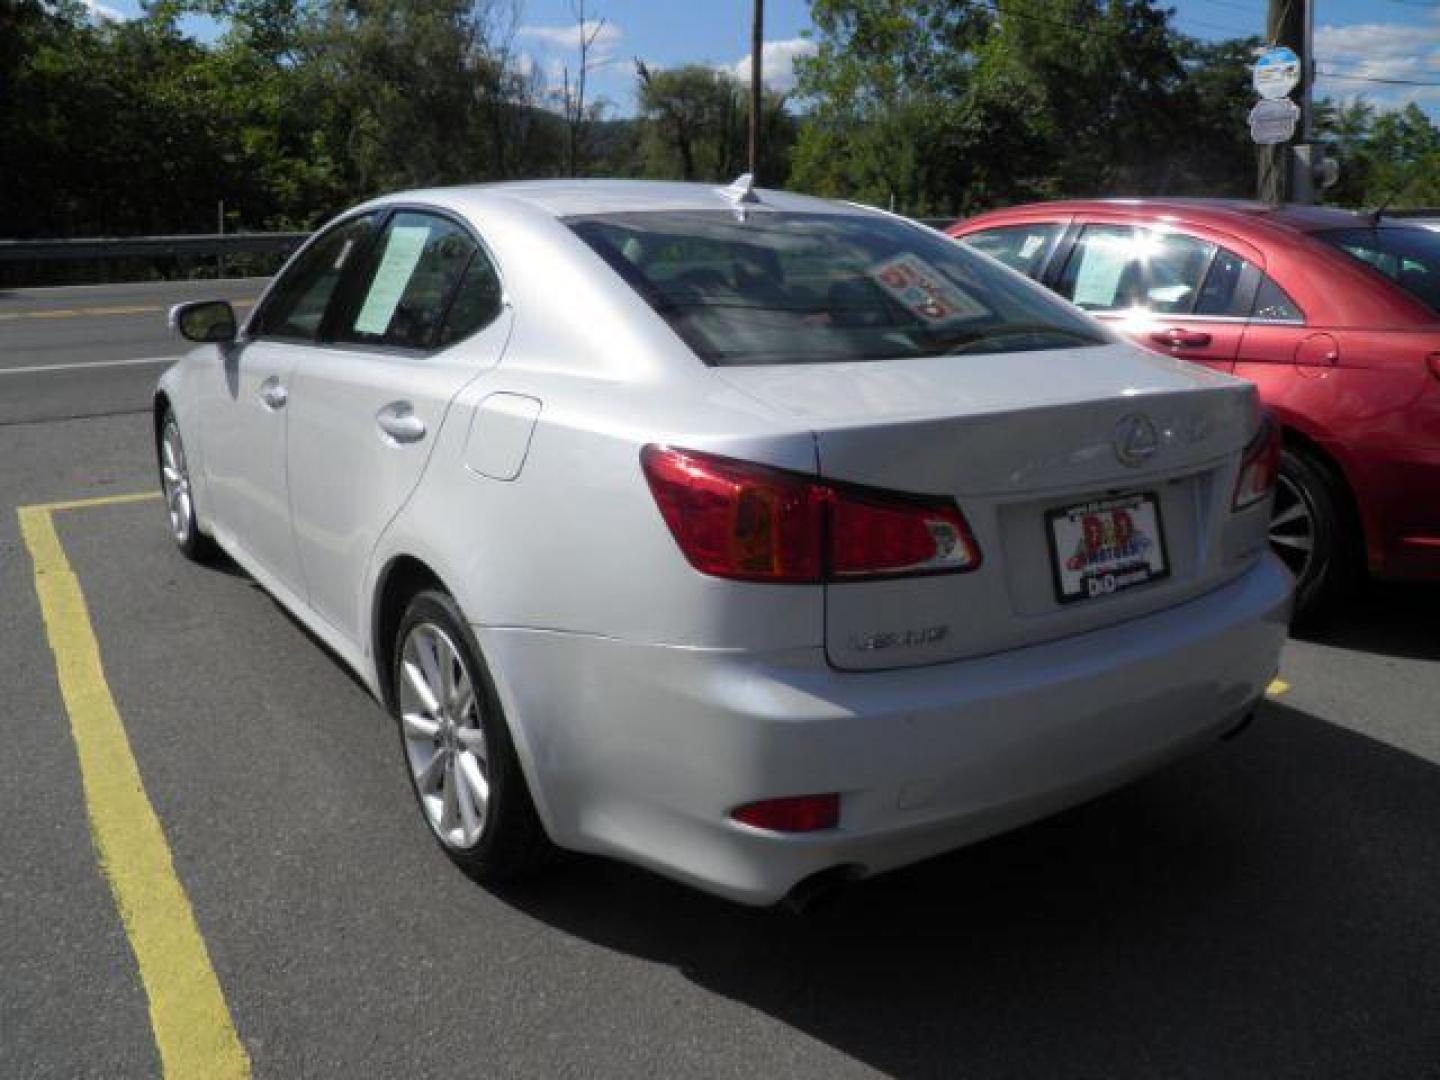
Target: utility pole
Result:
[[757, 43], [1290, 23], [1302, 187]]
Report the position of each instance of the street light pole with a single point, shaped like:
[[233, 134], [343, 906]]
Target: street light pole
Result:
[[757, 42]]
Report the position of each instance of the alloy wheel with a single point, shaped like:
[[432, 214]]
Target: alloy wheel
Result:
[[175, 478], [1292, 527], [443, 728]]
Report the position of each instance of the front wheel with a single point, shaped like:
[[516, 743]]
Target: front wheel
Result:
[[179, 497], [458, 751], [1310, 531]]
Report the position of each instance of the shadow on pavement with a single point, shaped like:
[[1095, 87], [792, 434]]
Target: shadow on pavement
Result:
[[1388, 618], [1266, 909]]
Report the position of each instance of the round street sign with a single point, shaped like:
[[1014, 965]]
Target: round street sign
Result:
[[1273, 122], [1276, 73]]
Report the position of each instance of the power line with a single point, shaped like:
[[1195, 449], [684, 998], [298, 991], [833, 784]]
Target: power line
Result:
[[1373, 79], [1233, 5], [1231, 30], [1348, 66]]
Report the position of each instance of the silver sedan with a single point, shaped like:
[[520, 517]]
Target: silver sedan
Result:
[[760, 540]]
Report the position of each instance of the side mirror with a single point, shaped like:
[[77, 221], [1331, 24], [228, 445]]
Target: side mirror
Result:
[[204, 321]]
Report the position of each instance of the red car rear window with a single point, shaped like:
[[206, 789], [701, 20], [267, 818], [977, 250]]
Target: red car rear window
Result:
[[1409, 257]]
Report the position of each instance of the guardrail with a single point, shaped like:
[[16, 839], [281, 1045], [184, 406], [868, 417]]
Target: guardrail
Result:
[[121, 247], [217, 245]]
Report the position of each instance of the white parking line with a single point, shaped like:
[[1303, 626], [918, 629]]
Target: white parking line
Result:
[[36, 369]]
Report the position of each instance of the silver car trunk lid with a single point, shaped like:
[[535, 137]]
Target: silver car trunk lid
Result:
[[1019, 440]]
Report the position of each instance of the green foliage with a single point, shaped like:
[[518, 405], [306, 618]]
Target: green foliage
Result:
[[938, 107], [1386, 158], [948, 107], [696, 124], [945, 107], [302, 107]]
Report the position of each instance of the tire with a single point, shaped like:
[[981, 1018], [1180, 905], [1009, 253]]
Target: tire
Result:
[[452, 752], [1310, 508], [174, 472]]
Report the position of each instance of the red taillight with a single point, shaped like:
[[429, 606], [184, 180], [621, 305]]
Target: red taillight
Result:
[[798, 813], [1259, 467], [882, 535], [734, 519], [737, 520]]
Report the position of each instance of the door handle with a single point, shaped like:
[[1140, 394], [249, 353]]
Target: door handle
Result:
[[1178, 338], [399, 422], [272, 394]]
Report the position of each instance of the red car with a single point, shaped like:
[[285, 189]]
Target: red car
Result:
[[1336, 317]]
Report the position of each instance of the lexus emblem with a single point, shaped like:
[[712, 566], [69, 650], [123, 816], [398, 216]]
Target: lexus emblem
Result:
[[1135, 440]]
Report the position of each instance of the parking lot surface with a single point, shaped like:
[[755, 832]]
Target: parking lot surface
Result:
[[1267, 908]]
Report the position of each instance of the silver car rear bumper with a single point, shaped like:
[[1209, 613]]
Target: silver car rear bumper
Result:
[[641, 751]]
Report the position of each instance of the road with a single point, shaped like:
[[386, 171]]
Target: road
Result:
[[1264, 909], [93, 350]]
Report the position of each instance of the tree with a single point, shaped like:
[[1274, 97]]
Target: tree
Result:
[[697, 121], [946, 106], [573, 97]]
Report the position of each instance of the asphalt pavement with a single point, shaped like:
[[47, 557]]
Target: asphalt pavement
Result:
[[94, 350], [1264, 909]]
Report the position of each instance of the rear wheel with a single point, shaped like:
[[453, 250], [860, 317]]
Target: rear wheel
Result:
[[458, 751], [179, 498], [1310, 531]]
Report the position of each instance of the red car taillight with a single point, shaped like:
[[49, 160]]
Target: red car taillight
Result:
[[735, 519], [1259, 467], [797, 813]]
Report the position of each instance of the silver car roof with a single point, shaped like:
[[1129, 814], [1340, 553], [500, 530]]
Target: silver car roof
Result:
[[565, 198]]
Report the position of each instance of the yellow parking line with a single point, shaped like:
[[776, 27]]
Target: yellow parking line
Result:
[[101, 500], [191, 1021], [1276, 688]]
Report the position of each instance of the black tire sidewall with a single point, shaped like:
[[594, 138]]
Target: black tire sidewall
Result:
[[1329, 573]]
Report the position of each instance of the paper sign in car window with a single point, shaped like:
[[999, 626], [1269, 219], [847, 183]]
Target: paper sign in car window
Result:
[[924, 290], [1103, 262], [402, 252]]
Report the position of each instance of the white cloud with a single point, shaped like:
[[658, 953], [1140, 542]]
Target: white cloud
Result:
[[1406, 51], [777, 63], [99, 12], [606, 36]]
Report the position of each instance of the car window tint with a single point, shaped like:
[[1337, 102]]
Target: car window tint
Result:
[[1220, 294], [297, 303], [1120, 268], [778, 287], [1020, 247], [476, 303], [413, 273], [1409, 257], [1272, 303]]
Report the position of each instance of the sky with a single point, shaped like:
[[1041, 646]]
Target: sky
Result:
[[1356, 41]]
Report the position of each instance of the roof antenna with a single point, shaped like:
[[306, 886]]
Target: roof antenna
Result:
[[740, 192], [1399, 189]]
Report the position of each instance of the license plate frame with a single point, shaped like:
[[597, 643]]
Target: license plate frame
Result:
[[1125, 557]]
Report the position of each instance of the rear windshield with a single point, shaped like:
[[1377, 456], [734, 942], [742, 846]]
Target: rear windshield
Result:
[[787, 288], [1410, 257]]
